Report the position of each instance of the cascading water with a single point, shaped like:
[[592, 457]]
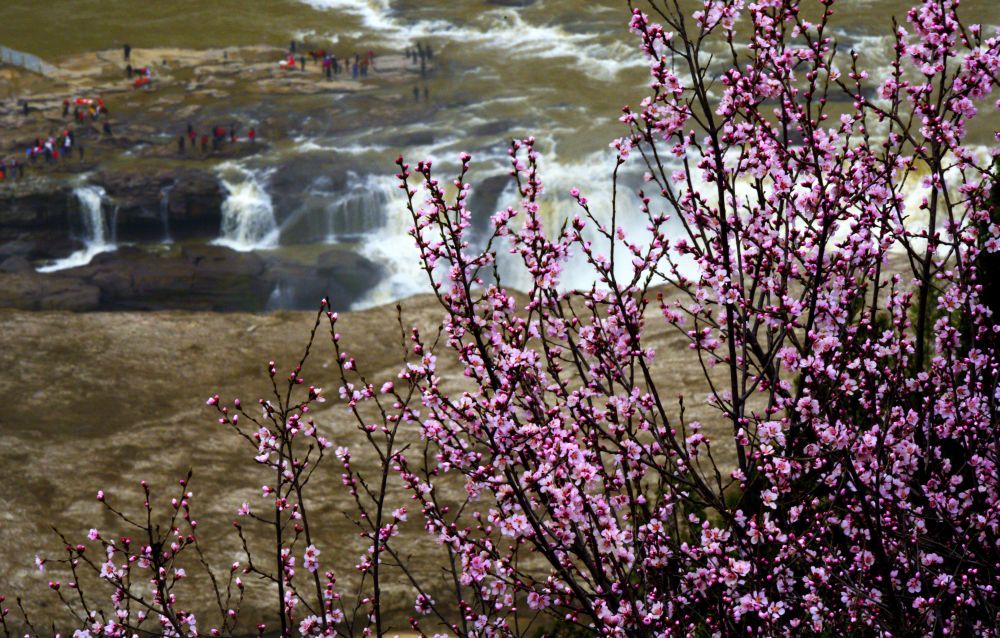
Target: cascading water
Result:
[[361, 210], [165, 213], [97, 236], [392, 247], [248, 221]]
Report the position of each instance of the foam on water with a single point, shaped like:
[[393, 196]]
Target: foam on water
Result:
[[376, 16], [248, 221], [98, 237], [508, 31], [503, 31]]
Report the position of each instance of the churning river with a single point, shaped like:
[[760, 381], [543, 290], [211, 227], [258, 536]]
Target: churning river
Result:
[[556, 69]]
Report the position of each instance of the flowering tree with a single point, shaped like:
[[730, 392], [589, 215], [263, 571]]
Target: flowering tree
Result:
[[849, 363]]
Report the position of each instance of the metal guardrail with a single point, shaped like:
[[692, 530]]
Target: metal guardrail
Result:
[[26, 61]]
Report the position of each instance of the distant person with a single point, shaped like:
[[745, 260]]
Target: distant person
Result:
[[232, 134], [336, 64], [107, 128], [354, 70], [204, 142], [65, 108], [25, 107], [302, 62], [129, 71], [252, 135], [127, 50], [291, 46], [364, 68]]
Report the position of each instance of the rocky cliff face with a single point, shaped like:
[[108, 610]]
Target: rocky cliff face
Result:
[[185, 202], [34, 216], [197, 277], [39, 215]]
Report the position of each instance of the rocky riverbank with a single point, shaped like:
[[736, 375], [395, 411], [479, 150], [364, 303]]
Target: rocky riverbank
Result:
[[160, 204]]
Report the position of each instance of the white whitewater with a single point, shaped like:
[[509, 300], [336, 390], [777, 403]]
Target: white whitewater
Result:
[[392, 248], [248, 221], [360, 210], [98, 235], [504, 31]]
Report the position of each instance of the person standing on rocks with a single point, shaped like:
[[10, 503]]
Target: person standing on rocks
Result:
[[302, 62], [127, 50], [204, 143], [252, 135]]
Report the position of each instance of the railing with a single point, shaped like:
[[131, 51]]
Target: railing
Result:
[[26, 61]]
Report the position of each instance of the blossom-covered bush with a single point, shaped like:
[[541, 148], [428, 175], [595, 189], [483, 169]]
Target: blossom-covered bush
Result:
[[817, 244]]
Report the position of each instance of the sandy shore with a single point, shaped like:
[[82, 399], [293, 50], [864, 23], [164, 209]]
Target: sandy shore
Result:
[[103, 400]]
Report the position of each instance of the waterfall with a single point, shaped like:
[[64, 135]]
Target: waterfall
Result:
[[392, 247], [91, 200], [165, 213], [247, 213], [360, 210], [98, 236]]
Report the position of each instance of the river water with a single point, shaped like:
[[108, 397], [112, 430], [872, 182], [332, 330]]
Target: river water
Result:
[[557, 69]]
